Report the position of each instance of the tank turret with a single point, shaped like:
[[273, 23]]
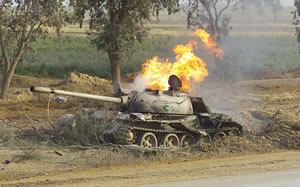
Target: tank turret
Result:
[[149, 101]]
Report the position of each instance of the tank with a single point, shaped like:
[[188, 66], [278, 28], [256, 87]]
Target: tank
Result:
[[155, 118]]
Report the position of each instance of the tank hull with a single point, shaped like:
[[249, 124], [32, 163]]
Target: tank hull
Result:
[[168, 130]]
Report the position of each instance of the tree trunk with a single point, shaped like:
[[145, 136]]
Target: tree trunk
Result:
[[10, 70], [5, 84], [115, 72], [115, 59], [7, 77]]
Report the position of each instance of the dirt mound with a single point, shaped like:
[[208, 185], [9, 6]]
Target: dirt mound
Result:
[[233, 144], [84, 79], [284, 130], [294, 72], [270, 74]]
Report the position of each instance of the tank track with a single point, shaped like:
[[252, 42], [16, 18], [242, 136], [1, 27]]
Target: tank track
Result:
[[156, 130], [122, 136]]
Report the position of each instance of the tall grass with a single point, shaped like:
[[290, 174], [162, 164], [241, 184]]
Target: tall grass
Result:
[[57, 56], [244, 52], [256, 52]]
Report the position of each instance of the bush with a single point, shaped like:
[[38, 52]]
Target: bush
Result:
[[83, 130]]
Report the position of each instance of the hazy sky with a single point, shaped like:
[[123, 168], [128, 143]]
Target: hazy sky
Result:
[[287, 2]]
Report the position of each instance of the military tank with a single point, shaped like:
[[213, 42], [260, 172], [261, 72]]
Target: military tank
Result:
[[154, 118]]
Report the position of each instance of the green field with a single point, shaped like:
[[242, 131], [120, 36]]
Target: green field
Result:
[[248, 48]]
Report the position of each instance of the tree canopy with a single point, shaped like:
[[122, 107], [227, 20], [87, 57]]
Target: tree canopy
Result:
[[21, 23], [117, 25]]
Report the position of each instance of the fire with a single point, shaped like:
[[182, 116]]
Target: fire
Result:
[[209, 42], [187, 66]]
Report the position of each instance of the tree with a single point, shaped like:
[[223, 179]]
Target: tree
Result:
[[296, 21], [21, 23], [117, 25], [211, 16]]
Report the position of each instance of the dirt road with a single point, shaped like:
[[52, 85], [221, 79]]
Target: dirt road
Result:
[[165, 171], [282, 178]]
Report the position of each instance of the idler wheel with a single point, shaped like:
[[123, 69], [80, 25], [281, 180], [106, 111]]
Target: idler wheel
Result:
[[187, 140], [170, 140], [148, 140]]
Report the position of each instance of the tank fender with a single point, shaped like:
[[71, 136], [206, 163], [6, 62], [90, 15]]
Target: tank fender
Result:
[[139, 116]]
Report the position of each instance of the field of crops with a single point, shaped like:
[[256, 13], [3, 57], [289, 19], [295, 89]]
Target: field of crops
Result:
[[249, 48]]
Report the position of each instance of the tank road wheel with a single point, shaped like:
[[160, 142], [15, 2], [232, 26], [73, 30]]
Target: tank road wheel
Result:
[[187, 140], [148, 140], [170, 140]]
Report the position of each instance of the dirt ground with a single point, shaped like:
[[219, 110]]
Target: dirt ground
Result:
[[268, 109], [158, 172]]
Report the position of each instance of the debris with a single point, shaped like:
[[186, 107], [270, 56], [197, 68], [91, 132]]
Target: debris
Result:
[[60, 99], [58, 153], [6, 162]]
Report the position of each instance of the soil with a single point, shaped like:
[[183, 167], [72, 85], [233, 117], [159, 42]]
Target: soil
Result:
[[268, 109], [159, 172]]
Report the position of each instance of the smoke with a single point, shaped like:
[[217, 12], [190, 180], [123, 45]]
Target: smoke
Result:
[[139, 84]]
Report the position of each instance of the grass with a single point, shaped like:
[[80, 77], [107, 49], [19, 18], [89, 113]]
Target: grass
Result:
[[256, 52], [249, 47], [57, 56]]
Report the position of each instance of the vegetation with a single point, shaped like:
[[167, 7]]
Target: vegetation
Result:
[[21, 22], [211, 15], [116, 26], [214, 16], [244, 52]]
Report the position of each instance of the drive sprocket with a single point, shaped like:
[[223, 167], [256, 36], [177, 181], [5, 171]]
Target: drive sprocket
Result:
[[124, 135]]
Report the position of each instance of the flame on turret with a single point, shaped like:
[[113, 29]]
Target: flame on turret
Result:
[[187, 66]]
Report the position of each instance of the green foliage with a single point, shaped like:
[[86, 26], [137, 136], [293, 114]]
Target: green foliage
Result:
[[116, 26], [57, 56], [21, 23], [254, 53]]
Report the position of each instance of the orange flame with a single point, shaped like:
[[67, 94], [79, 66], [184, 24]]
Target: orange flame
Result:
[[209, 42], [187, 67]]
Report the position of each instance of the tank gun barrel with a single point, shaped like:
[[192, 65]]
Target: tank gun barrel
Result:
[[76, 94]]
